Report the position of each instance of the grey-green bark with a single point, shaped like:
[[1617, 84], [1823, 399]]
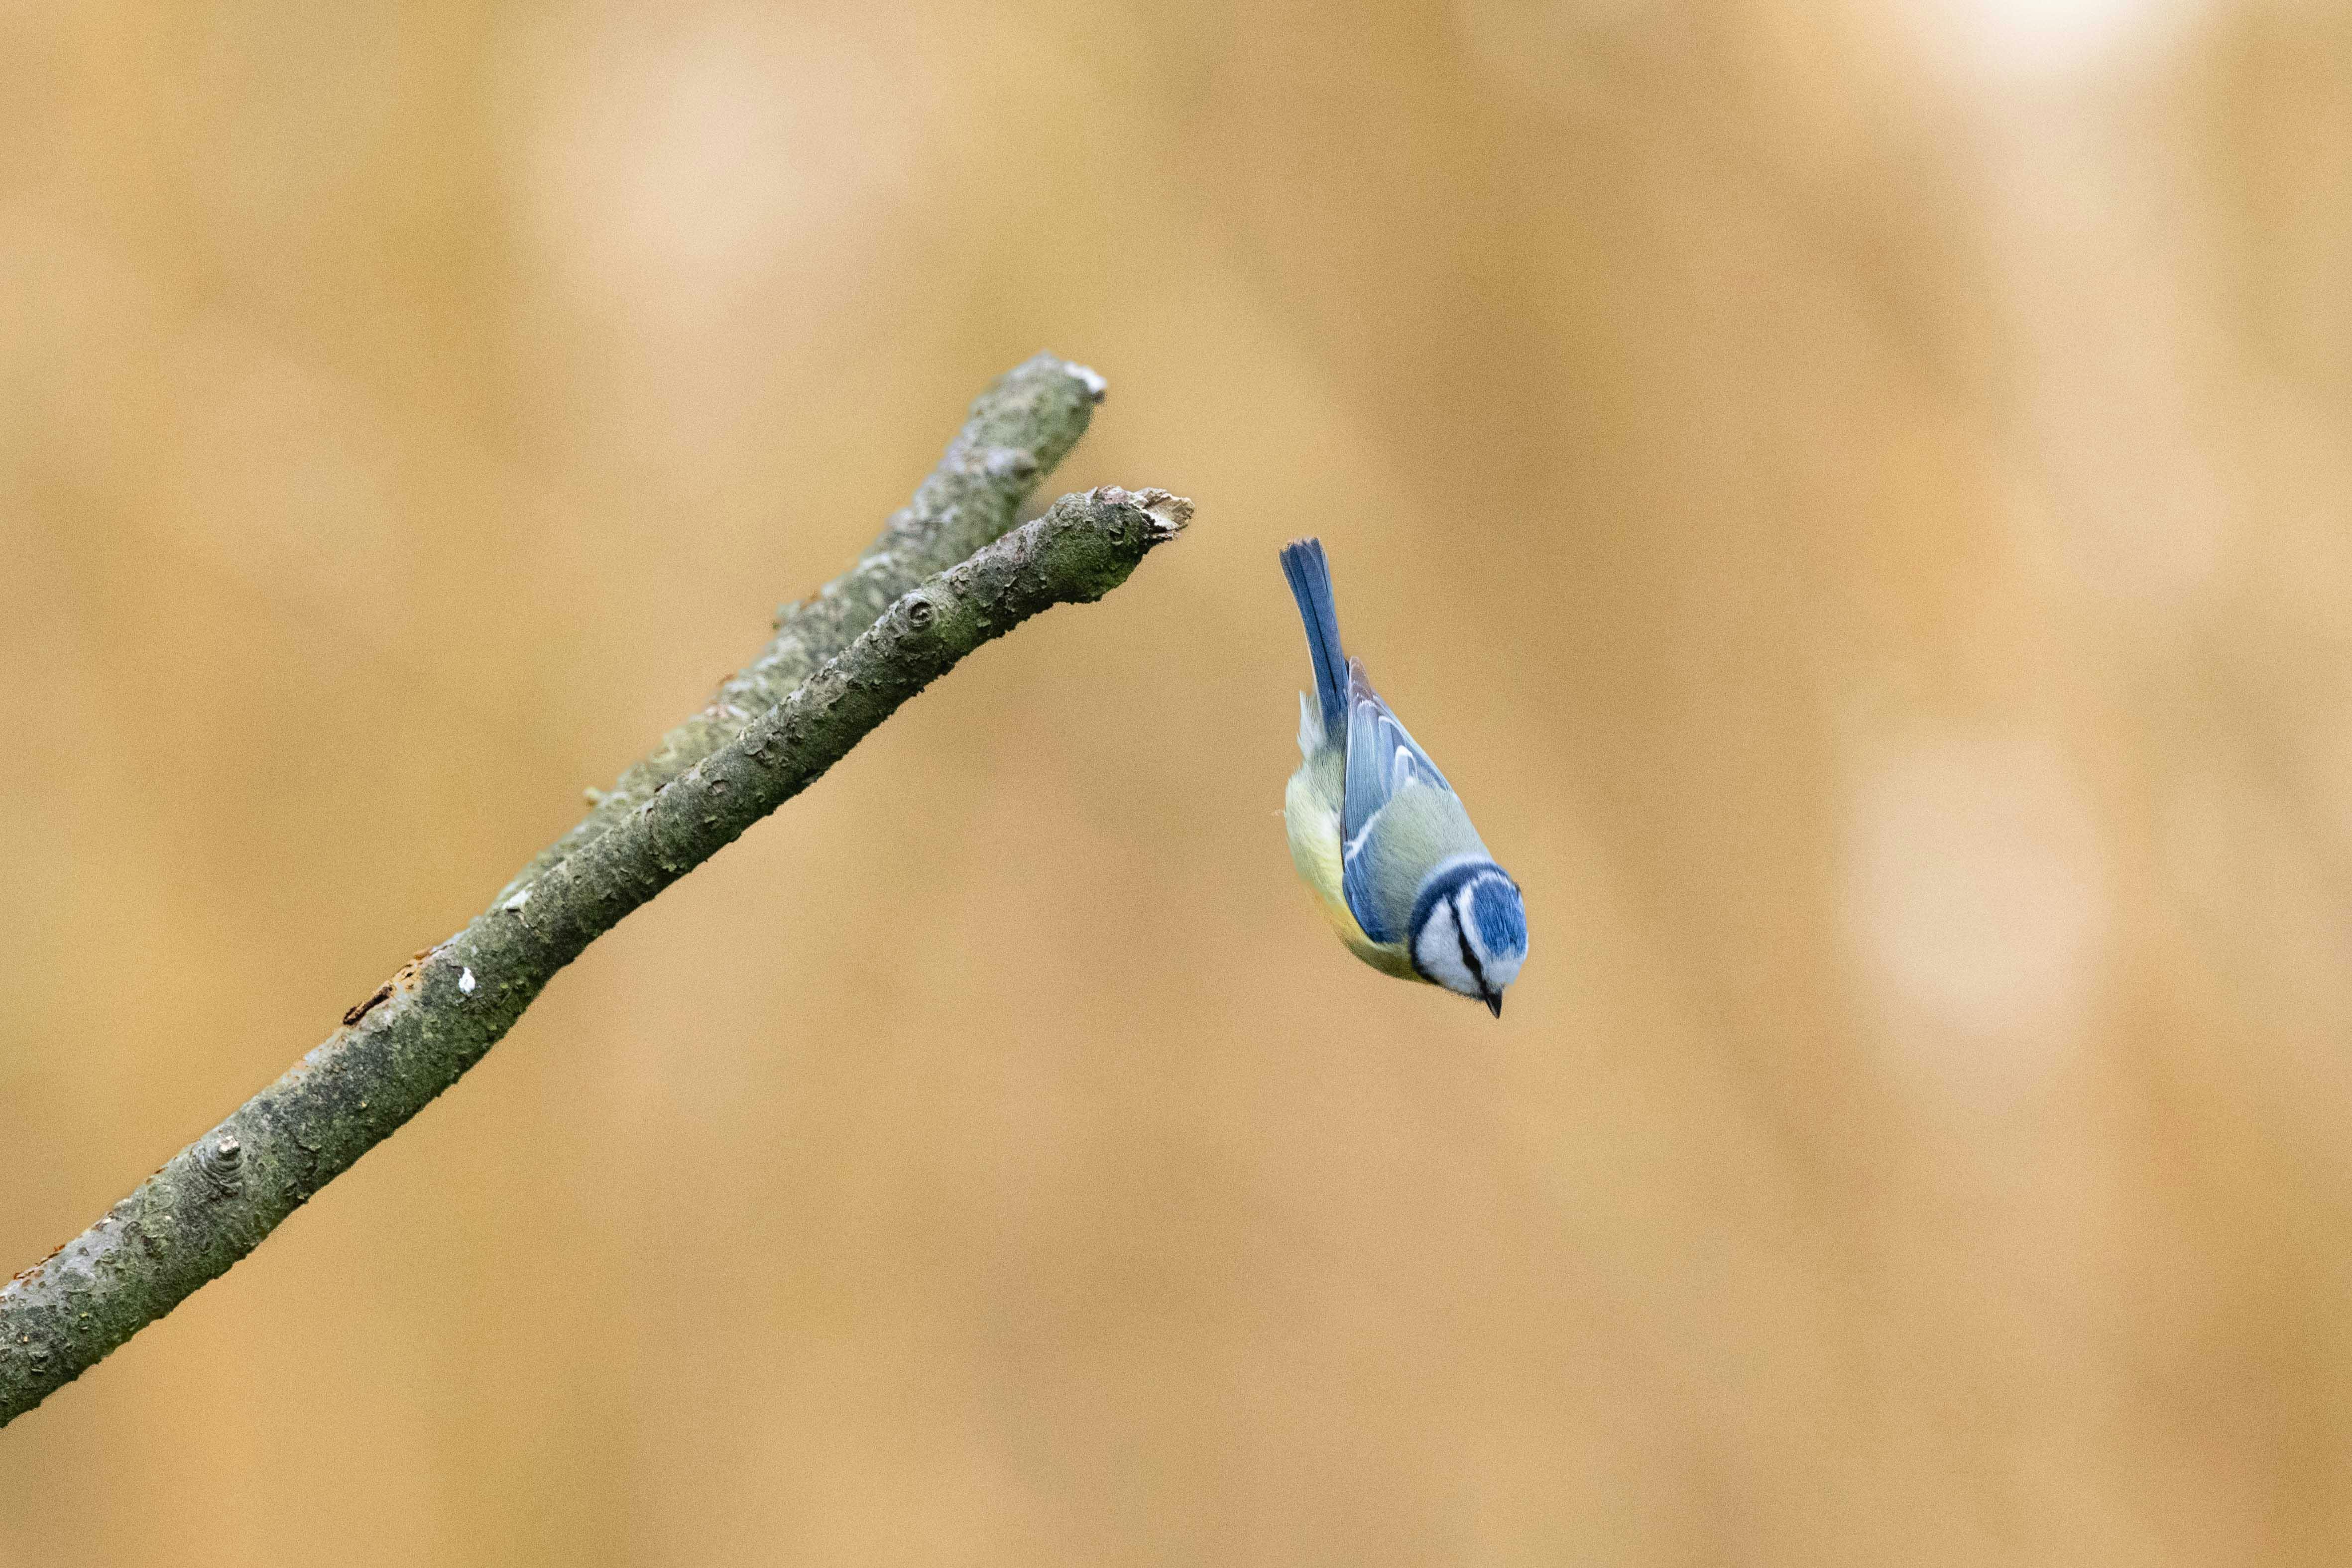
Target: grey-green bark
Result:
[[1015, 434], [215, 1200]]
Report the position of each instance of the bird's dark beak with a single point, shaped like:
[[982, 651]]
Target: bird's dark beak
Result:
[[1495, 1003]]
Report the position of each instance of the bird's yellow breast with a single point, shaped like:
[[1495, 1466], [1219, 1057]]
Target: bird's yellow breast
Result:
[[1311, 814]]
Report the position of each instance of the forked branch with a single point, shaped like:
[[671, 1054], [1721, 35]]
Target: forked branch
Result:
[[841, 662]]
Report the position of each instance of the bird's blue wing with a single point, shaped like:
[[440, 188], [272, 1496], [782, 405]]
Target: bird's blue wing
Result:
[[1382, 857], [1382, 758]]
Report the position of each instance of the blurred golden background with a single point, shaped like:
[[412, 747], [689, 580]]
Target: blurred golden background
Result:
[[1854, 494]]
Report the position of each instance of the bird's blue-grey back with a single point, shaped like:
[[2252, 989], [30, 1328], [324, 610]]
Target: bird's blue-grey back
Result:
[[1421, 830], [1309, 572], [1399, 819]]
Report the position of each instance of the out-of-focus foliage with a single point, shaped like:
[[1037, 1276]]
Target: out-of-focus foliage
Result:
[[1855, 495]]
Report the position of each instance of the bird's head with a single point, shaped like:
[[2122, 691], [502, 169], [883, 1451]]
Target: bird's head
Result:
[[1470, 932]]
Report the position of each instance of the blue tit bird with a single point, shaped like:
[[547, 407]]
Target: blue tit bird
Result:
[[1378, 834]]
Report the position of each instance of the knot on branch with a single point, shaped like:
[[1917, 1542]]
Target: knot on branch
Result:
[[222, 1162], [1009, 463]]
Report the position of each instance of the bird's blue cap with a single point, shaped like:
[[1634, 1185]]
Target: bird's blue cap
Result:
[[1501, 917]]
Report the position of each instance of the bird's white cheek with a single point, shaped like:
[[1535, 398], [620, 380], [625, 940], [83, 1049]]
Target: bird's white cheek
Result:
[[1439, 951]]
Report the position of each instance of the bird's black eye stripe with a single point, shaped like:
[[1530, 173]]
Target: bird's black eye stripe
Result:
[[1470, 959]]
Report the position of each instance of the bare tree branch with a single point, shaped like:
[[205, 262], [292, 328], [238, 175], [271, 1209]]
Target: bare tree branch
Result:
[[1015, 434], [215, 1200]]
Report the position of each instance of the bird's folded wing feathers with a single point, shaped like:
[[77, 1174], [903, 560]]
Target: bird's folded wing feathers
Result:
[[1381, 757]]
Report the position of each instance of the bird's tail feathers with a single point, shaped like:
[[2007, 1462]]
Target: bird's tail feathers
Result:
[[1310, 584]]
